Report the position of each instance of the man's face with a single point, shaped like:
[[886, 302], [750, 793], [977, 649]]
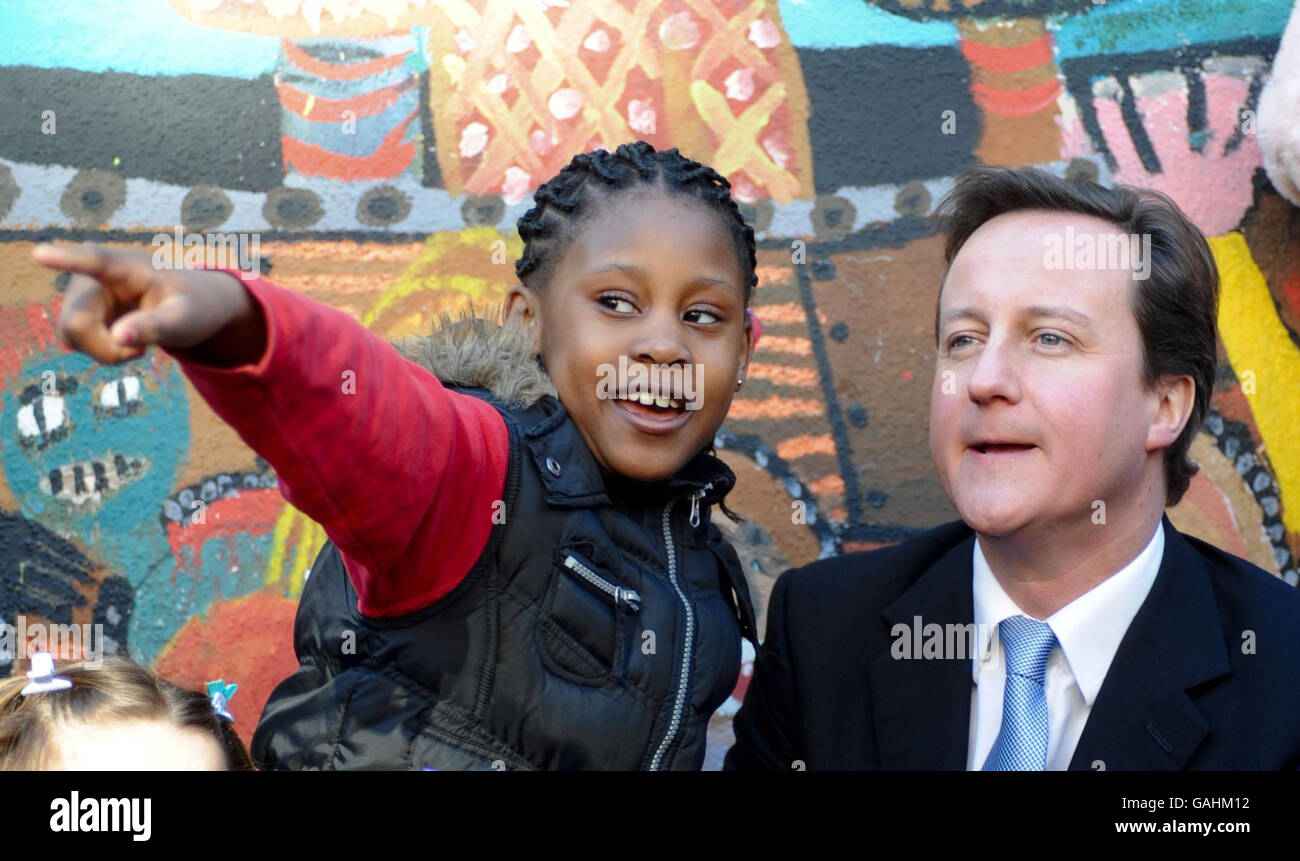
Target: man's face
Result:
[[1038, 406], [654, 279]]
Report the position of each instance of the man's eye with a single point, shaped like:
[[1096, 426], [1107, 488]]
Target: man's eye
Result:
[[697, 312], [1051, 339], [958, 341], [617, 304]]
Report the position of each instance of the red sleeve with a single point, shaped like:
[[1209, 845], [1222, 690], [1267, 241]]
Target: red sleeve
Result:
[[401, 473]]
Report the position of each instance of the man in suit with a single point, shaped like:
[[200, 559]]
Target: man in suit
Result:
[[1063, 622]]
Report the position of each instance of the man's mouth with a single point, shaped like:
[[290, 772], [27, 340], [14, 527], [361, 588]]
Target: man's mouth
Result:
[[994, 448]]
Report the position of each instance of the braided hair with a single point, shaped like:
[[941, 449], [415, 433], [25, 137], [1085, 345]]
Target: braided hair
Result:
[[569, 198]]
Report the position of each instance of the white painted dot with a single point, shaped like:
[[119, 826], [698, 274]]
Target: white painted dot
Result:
[[565, 103]]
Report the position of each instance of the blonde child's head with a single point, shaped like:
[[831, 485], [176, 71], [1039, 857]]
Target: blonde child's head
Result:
[[115, 716]]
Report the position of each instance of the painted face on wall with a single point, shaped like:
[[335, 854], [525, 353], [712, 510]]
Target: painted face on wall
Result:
[[89, 451]]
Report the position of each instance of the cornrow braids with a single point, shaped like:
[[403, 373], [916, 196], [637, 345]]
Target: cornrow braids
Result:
[[573, 195]]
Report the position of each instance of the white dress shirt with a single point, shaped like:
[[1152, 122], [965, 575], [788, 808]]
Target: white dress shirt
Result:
[[1088, 632]]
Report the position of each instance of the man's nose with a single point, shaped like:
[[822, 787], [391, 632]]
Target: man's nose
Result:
[[996, 373]]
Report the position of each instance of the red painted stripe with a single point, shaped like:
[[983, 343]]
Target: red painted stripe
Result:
[[1009, 58], [388, 160], [295, 100], [339, 71], [1016, 103]]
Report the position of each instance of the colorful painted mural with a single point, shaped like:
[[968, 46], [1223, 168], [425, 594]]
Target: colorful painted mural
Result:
[[381, 151]]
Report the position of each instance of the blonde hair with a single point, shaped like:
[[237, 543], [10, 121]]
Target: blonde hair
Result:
[[108, 691]]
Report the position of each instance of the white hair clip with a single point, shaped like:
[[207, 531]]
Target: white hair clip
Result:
[[219, 694], [43, 678]]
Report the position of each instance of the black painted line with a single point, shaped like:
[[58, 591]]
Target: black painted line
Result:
[[839, 433]]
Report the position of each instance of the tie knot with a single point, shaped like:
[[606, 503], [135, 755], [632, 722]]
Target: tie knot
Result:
[[1028, 643]]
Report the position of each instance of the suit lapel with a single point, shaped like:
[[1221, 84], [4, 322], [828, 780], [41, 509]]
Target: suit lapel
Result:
[[1143, 717], [922, 706]]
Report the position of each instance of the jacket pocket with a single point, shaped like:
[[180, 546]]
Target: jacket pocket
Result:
[[583, 628]]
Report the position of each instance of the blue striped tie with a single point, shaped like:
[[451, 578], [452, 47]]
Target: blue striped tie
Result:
[[1021, 744]]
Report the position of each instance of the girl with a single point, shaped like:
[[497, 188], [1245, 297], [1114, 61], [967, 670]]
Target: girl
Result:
[[114, 716], [521, 570]]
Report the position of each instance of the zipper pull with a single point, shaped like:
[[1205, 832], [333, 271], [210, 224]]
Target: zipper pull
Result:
[[628, 598], [695, 503]]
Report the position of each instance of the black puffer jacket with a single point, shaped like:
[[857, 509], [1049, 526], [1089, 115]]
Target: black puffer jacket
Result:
[[600, 627]]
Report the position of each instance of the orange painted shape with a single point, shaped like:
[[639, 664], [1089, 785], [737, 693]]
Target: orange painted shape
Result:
[[387, 161], [1016, 103], [1009, 58], [339, 71]]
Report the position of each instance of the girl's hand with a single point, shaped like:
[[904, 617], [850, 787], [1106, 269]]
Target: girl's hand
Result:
[[118, 303]]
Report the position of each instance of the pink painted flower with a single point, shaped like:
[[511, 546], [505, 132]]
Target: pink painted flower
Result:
[[518, 39], [516, 185], [764, 34], [565, 103], [540, 142], [473, 138], [777, 151], [641, 116], [679, 32], [740, 85], [465, 41]]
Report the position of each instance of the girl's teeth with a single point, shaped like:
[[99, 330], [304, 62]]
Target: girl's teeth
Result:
[[645, 400], [662, 403]]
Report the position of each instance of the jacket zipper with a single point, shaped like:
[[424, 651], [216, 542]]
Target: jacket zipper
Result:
[[688, 638], [624, 598]]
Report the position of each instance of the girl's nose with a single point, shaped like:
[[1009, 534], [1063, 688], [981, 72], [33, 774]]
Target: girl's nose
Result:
[[661, 341]]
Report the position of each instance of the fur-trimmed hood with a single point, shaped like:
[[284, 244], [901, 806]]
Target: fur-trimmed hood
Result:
[[474, 351]]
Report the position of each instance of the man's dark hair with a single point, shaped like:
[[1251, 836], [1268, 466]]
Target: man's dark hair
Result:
[[575, 194], [1176, 307]]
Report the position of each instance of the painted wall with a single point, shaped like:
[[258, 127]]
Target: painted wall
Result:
[[379, 148]]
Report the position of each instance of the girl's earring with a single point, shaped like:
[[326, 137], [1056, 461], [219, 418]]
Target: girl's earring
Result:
[[740, 381]]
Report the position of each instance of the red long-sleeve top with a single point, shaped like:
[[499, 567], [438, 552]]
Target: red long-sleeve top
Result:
[[401, 473]]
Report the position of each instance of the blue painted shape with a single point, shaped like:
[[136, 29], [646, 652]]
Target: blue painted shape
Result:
[[143, 37], [1158, 25], [854, 23]]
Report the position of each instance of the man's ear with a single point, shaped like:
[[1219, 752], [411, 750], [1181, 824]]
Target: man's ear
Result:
[[1176, 396]]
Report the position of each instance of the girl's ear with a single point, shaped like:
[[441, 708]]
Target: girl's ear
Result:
[[522, 308], [752, 330]]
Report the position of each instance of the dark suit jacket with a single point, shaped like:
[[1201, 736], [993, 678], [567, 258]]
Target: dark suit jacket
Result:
[[1183, 691]]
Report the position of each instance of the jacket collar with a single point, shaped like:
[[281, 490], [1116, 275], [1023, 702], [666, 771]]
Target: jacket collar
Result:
[[1142, 718], [572, 478]]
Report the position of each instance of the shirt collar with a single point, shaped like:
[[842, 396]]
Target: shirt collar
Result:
[[1089, 628]]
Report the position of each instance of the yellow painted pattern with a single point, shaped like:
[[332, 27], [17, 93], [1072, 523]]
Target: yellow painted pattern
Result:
[[1256, 340]]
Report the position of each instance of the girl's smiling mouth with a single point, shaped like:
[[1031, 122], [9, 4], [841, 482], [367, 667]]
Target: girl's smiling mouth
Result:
[[647, 416]]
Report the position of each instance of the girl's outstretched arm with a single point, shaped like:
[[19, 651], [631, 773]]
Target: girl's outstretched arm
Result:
[[401, 473]]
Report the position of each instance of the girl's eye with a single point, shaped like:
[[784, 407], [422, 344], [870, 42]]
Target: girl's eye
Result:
[[713, 317], [616, 303]]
